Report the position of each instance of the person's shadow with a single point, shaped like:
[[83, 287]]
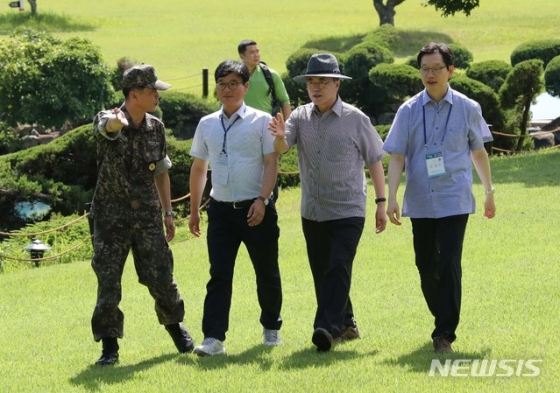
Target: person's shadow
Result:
[[93, 375], [420, 360]]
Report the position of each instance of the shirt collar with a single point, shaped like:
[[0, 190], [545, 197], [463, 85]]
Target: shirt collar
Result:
[[448, 96], [336, 108], [241, 112]]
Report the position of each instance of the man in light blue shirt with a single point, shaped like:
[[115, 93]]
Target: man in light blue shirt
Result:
[[438, 134], [237, 145]]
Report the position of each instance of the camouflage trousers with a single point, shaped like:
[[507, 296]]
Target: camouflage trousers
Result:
[[153, 262]]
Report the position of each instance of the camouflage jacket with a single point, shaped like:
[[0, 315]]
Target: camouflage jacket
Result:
[[127, 162]]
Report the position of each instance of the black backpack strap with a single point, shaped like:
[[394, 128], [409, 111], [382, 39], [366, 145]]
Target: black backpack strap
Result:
[[268, 77], [274, 102]]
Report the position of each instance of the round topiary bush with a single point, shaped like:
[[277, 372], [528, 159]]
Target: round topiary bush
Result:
[[181, 112], [462, 57], [544, 50], [552, 77], [486, 97], [492, 73]]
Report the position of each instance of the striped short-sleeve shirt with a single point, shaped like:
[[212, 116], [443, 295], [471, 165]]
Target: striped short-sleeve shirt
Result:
[[333, 149]]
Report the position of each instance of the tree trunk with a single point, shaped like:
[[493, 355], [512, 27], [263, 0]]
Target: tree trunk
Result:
[[524, 123], [33, 6], [386, 12]]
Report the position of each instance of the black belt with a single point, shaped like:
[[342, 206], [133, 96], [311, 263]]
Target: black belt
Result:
[[238, 204]]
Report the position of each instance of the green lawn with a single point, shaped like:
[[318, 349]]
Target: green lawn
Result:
[[181, 37], [510, 311]]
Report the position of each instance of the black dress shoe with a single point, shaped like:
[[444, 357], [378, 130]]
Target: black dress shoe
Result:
[[322, 339], [108, 359], [181, 337]]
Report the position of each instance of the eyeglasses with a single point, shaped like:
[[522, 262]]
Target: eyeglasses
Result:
[[435, 70], [231, 85], [320, 85]]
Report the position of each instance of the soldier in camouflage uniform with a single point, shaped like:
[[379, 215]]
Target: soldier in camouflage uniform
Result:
[[132, 188]]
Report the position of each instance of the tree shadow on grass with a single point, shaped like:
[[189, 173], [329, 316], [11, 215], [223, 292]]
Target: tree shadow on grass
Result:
[[533, 169], [42, 21], [403, 44], [420, 360], [93, 376]]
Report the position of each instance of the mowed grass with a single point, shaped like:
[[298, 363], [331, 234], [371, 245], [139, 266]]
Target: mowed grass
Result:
[[182, 37], [511, 277]]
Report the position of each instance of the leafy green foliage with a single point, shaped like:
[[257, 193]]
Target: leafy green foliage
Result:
[[450, 7], [47, 81], [482, 94], [521, 88], [9, 140], [492, 73], [182, 112], [544, 50], [490, 105], [462, 57], [552, 77], [356, 64], [392, 84]]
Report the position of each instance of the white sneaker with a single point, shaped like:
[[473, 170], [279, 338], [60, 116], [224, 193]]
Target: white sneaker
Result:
[[271, 337], [209, 347]]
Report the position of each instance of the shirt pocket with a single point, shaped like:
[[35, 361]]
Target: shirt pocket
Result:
[[456, 139]]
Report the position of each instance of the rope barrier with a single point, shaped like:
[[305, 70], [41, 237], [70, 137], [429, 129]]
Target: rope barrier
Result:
[[47, 231], [48, 258]]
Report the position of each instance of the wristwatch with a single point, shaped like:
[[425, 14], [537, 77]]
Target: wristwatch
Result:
[[169, 213], [263, 199]]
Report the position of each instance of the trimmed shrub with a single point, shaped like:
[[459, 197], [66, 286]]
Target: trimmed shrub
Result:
[[492, 73], [522, 86], [392, 84], [47, 81], [181, 112], [485, 96], [552, 77], [462, 57], [357, 64], [544, 50]]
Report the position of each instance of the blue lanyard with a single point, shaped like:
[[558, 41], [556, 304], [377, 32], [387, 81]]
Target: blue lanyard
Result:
[[226, 131], [444, 130]]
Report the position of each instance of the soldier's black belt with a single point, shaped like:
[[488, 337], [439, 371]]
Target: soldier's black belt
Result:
[[238, 204]]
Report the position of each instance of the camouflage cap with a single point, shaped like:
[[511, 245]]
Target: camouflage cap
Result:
[[143, 76]]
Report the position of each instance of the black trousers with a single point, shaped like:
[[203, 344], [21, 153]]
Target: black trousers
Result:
[[227, 229], [438, 245], [331, 248]]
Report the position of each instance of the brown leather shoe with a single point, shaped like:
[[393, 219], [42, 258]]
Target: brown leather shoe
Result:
[[441, 345], [350, 333]]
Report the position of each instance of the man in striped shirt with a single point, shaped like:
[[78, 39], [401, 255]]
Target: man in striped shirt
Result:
[[335, 140]]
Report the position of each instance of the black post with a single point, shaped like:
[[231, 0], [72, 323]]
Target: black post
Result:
[[205, 82]]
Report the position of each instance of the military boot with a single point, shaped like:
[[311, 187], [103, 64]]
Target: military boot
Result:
[[110, 354], [181, 337]]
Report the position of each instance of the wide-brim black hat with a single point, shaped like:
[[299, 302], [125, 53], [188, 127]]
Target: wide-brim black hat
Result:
[[322, 65]]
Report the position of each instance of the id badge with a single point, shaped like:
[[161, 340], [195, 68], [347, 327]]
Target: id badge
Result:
[[220, 171], [435, 164]]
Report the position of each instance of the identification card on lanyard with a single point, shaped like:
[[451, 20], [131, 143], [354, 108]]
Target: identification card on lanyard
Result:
[[435, 164], [434, 159]]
